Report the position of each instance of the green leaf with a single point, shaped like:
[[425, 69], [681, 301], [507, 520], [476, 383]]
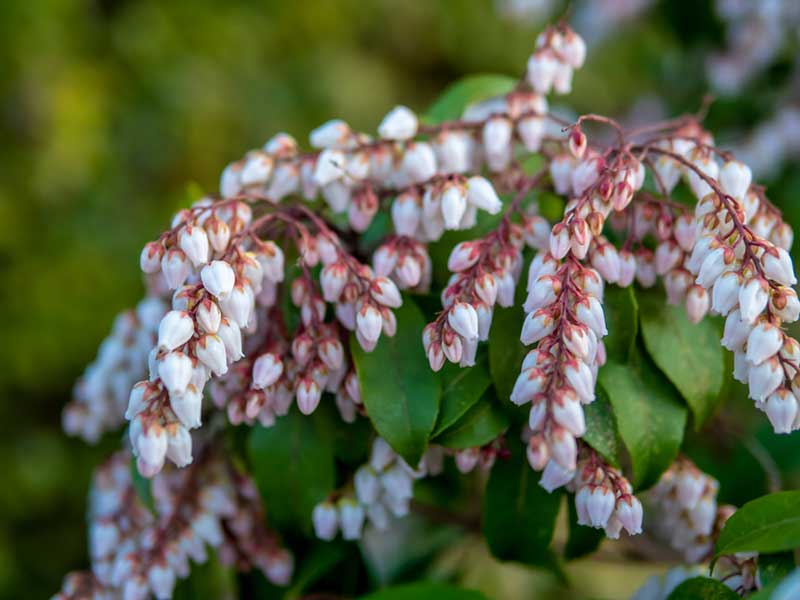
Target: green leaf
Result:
[[425, 590], [475, 88], [621, 310], [461, 389], [506, 352], [702, 588], [293, 465], [582, 540], [772, 568], [601, 428], [398, 388], [689, 355], [519, 516], [768, 524], [650, 415], [316, 562], [482, 423]]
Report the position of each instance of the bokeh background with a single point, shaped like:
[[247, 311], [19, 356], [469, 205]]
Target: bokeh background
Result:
[[114, 113]]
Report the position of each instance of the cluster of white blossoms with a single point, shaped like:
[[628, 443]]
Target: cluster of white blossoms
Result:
[[137, 552], [683, 506], [740, 260], [101, 394], [382, 489]]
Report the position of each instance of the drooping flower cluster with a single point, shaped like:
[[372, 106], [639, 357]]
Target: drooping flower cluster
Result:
[[748, 277], [101, 394], [683, 506], [137, 551], [381, 489]]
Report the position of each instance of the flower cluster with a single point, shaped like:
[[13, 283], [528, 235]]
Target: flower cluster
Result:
[[381, 489], [101, 394], [684, 510], [137, 552], [748, 278]]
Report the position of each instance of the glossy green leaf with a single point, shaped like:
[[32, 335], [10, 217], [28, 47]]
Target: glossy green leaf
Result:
[[768, 524], [601, 428], [689, 355], [474, 88], [621, 310], [506, 352], [425, 590], [293, 465], [400, 392], [772, 568], [702, 588], [481, 424], [650, 415], [519, 516], [582, 540], [461, 389]]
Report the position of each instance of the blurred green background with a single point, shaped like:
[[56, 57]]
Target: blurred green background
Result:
[[110, 110]]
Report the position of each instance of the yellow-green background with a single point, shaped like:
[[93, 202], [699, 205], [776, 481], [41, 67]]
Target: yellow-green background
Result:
[[111, 110]]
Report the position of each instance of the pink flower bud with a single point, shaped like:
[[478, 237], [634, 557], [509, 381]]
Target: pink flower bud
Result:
[[151, 445], [778, 266], [219, 234], [454, 205], [782, 409], [697, 302], [238, 304], [385, 292], [735, 178], [497, 143], [175, 267], [419, 162], [464, 320], [308, 396], [537, 325], [175, 329], [330, 166], [210, 351], [150, 258], [563, 448], [175, 371], [736, 332], [580, 377], [599, 505], [208, 315], [531, 131], [529, 383], [179, 445], [229, 184], [765, 378], [406, 213], [399, 124], [467, 459], [764, 341], [188, 406], [194, 243], [568, 412], [231, 337], [537, 452], [218, 278], [369, 322], [162, 580], [542, 67], [753, 298], [554, 476], [589, 311], [725, 295]]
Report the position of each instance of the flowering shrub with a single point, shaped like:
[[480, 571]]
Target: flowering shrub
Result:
[[366, 274]]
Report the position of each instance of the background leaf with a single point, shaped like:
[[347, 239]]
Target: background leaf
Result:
[[425, 591], [768, 524], [689, 355], [481, 424], [650, 416], [506, 351], [702, 588], [622, 321], [519, 516], [601, 428], [398, 388], [474, 88], [293, 465], [772, 568], [461, 389]]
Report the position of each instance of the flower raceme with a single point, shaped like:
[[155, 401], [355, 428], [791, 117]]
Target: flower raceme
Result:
[[259, 294]]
